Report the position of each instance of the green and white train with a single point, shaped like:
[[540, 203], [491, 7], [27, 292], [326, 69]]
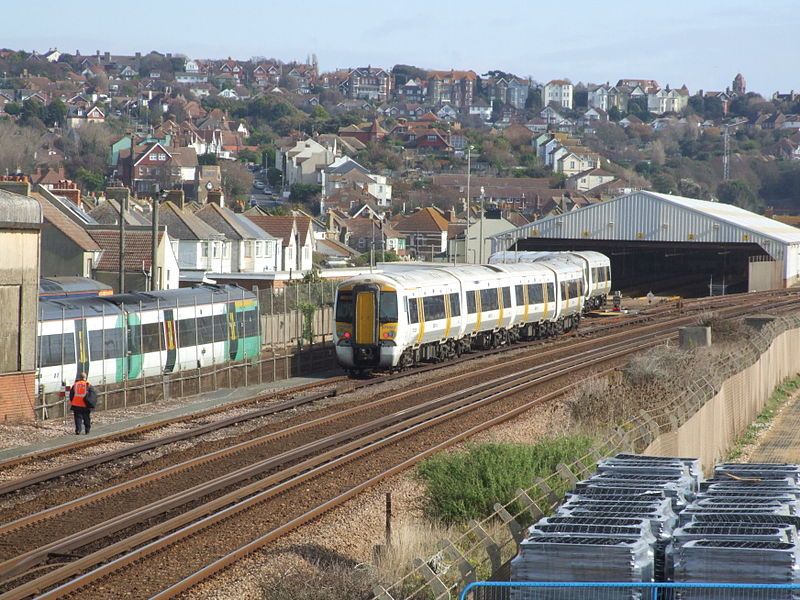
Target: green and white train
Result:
[[144, 334]]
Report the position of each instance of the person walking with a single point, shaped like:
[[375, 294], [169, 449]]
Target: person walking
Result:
[[82, 402]]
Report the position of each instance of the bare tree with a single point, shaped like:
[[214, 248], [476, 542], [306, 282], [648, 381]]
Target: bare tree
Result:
[[19, 148]]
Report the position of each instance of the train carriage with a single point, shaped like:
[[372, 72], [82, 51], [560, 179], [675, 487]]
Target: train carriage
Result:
[[410, 314], [128, 336]]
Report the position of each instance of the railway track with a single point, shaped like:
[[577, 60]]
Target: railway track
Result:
[[271, 480], [324, 457], [293, 399]]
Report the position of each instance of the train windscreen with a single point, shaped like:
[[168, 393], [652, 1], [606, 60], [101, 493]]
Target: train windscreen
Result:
[[344, 306], [388, 307]]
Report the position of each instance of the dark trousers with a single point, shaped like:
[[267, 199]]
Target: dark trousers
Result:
[[82, 415]]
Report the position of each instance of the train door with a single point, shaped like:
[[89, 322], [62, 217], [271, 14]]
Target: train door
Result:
[[170, 340], [233, 334], [365, 348], [82, 347]]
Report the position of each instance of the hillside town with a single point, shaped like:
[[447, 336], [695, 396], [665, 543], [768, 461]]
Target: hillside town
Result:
[[259, 171]]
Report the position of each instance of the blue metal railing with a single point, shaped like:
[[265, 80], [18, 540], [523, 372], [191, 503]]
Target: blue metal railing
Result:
[[657, 590]]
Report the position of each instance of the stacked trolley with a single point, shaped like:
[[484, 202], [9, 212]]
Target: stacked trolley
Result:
[[653, 519]]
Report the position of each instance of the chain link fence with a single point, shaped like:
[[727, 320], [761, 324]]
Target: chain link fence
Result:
[[740, 380]]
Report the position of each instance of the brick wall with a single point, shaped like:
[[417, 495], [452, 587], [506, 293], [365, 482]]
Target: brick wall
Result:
[[17, 397]]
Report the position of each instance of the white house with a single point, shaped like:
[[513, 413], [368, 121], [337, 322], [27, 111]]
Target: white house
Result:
[[253, 250], [598, 98], [588, 180], [296, 234], [301, 162], [200, 248], [558, 91]]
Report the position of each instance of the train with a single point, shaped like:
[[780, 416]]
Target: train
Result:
[[596, 270], [142, 334], [408, 315]]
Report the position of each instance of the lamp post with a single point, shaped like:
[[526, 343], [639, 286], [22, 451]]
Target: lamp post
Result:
[[480, 229], [469, 200]]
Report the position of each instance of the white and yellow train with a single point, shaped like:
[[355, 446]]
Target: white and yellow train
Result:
[[412, 314]]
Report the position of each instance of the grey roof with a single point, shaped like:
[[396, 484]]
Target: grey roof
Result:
[[234, 226], [346, 167], [183, 225], [107, 213], [18, 209]]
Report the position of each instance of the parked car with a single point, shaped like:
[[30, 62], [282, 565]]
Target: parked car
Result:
[[259, 185]]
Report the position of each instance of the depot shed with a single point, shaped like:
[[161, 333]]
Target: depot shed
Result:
[[673, 242]]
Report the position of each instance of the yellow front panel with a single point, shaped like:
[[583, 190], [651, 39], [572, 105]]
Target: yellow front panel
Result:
[[365, 318]]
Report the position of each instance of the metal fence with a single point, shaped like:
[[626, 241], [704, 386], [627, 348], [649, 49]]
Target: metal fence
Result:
[[295, 324], [491, 590], [484, 550]]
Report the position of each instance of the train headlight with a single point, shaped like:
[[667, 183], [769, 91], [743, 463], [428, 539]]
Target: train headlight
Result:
[[346, 335]]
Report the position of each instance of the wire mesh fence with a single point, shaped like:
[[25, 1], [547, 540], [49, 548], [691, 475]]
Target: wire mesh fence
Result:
[[484, 550]]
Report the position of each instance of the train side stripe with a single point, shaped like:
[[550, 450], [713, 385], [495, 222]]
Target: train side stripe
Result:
[[421, 315]]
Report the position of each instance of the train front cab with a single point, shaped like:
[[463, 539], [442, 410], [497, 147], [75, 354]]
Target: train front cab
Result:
[[366, 327]]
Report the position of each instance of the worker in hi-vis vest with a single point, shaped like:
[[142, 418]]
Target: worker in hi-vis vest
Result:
[[82, 401]]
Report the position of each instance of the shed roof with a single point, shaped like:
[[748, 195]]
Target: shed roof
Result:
[[19, 209]]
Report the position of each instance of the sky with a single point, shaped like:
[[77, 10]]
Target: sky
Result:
[[702, 43]]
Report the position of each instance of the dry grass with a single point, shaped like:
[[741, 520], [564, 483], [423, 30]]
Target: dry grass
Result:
[[411, 539], [724, 331], [331, 582]]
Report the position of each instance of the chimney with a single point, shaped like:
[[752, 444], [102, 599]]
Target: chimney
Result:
[[177, 197], [16, 184], [214, 196]]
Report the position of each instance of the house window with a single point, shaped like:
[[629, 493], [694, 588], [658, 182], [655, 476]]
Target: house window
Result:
[[248, 249], [226, 249], [215, 249], [205, 249], [268, 253], [259, 249]]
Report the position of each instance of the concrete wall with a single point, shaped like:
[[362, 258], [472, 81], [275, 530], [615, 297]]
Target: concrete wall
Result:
[[60, 255], [19, 291], [711, 431]]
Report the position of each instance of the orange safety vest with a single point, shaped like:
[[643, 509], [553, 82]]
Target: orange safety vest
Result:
[[81, 388]]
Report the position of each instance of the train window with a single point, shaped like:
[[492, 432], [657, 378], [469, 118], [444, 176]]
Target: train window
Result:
[[472, 307], [413, 316], [55, 350], [608, 273], [151, 338], [434, 308], [344, 307], [204, 333], [134, 338], [520, 294], [187, 332], [551, 292], [388, 307], [455, 305], [535, 293], [506, 297], [247, 321], [105, 344], [220, 323], [489, 299]]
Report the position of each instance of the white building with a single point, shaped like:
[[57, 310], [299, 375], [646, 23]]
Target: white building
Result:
[[558, 91], [302, 162]]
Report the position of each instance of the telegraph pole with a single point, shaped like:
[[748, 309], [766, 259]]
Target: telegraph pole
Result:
[[726, 156]]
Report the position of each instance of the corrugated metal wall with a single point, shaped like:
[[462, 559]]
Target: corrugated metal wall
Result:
[[643, 217]]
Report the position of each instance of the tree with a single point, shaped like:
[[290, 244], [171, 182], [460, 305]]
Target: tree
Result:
[[236, 179], [55, 113], [302, 192], [739, 193], [614, 114], [13, 108], [207, 159], [379, 256], [91, 181]]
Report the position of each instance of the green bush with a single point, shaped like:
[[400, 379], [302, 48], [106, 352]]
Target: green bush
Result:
[[466, 485]]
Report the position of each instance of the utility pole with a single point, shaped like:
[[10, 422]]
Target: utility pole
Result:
[[122, 202], [480, 231], [154, 283], [726, 156], [469, 200]]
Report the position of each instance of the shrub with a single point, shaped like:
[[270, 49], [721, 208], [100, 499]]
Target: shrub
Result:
[[466, 485], [333, 582]]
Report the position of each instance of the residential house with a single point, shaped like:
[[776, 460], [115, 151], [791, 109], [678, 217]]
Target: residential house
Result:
[[788, 149], [456, 88], [302, 162], [493, 224], [5, 98], [297, 236], [589, 179], [647, 86], [592, 116], [447, 113], [367, 83], [200, 247], [77, 117], [481, 108], [668, 100], [558, 92], [413, 91], [346, 172], [421, 136], [598, 97], [148, 171], [511, 92], [67, 249], [425, 231], [253, 250], [553, 117], [138, 259], [266, 75], [629, 120], [363, 234], [364, 133]]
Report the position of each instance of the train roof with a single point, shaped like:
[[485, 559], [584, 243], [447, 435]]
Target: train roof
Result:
[[70, 286], [200, 294], [73, 308]]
